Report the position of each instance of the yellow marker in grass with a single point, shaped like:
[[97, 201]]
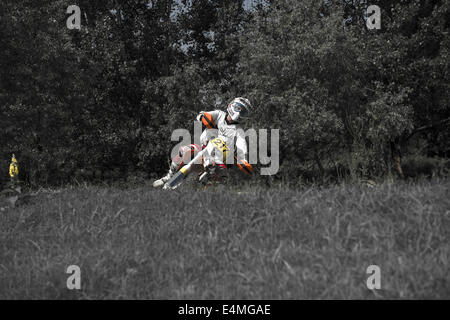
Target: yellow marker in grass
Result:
[[14, 169]]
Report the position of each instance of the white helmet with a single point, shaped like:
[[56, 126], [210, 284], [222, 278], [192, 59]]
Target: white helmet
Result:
[[239, 108]]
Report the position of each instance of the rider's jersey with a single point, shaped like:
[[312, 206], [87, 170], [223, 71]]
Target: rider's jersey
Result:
[[231, 133]]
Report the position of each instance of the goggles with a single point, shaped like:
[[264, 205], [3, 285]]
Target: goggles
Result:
[[239, 108]]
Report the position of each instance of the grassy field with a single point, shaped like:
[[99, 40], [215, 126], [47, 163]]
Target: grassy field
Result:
[[266, 244]]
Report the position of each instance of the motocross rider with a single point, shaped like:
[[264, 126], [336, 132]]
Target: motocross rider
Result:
[[227, 124]]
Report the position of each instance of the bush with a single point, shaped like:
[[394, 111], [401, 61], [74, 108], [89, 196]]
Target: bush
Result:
[[416, 166]]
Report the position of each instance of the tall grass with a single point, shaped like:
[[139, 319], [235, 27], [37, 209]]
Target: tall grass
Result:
[[219, 244]]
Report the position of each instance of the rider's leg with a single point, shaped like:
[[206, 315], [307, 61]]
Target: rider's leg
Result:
[[184, 156], [160, 182]]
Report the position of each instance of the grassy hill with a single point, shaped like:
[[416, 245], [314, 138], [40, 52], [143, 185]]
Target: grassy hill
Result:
[[219, 244]]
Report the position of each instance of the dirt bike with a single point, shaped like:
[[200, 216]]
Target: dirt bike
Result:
[[211, 157]]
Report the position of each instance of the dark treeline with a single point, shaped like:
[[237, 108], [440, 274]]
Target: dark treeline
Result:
[[101, 102]]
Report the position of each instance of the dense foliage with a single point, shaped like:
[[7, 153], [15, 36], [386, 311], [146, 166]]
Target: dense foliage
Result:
[[101, 102]]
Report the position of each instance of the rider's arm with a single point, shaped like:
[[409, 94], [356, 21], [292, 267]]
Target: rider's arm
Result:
[[208, 118], [207, 135]]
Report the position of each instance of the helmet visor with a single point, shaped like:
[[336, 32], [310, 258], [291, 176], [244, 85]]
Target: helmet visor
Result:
[[241, 109]]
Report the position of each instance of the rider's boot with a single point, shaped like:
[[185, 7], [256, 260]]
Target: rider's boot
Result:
[[160, 182]]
